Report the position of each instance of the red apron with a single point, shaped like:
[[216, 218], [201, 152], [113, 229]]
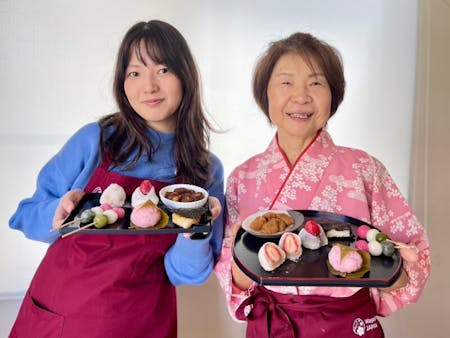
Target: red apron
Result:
[[101, 286], [290, 316]]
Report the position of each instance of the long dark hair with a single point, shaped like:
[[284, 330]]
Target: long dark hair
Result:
[[164, 45], [310, 48]]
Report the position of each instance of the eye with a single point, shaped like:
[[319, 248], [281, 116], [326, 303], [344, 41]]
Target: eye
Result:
[[133, 74], [315, 83], [163, 70], [286, 83]]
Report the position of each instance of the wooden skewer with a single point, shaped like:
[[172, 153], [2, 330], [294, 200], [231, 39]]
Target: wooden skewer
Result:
[[67, 224], [79, 229], [399, 245]]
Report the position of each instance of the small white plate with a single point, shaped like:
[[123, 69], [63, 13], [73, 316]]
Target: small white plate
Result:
[[297, 216]]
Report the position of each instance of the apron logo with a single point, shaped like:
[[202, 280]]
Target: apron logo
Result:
[[359, 328], [97, 190]]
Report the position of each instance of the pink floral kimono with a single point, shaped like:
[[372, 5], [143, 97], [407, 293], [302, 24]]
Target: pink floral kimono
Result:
[[329, 178]]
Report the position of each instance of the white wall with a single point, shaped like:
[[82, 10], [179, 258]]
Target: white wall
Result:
[[56, 64]]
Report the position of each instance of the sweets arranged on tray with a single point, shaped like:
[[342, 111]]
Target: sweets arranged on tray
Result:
[[287, 260], [351, 260], [143, 211]]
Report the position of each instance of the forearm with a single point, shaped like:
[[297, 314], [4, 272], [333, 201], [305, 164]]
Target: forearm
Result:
[[189, 261], [35, 219]]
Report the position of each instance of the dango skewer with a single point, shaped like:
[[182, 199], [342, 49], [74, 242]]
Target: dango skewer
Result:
[[399, 245], [99, 221], [85, 217]]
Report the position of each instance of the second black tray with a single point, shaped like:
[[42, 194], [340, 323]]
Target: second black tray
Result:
[[311, 269], [122, 226]]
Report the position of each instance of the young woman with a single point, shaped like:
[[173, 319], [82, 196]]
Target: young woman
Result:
[[123, 285], [299, 84]]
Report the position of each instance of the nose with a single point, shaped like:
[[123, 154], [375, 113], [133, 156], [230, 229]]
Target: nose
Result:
[[151, 84], [301, 95]]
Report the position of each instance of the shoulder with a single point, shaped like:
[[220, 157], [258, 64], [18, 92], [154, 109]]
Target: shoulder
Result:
[[360, 161], [254, 162], [86, 133], [84, 141], [356, 153], [88, 130], [216, 166], [215, 160]]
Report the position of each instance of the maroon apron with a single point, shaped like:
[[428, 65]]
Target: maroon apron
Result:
[[290, 316], [101, 286]]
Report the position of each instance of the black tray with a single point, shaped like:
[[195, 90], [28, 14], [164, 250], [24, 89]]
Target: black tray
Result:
[[311, 268], [122, 226]]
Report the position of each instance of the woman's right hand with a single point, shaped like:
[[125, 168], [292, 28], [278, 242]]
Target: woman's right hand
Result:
[[67, 203]]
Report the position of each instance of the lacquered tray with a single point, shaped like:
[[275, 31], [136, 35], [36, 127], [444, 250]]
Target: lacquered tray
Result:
[[311, 269], [122, 226]]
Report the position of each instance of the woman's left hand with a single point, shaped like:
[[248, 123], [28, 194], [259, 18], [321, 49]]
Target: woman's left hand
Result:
[[409, 255], [67, 203], [215, 207]]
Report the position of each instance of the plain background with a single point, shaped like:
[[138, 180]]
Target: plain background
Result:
[[56, 66]]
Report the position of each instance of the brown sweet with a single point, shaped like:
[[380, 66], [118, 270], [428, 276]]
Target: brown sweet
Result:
[[271, 222], [184, 195]]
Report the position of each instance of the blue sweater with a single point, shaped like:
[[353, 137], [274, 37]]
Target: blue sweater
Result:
[[187, 261]]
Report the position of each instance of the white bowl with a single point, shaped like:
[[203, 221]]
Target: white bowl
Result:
[[183, 205]]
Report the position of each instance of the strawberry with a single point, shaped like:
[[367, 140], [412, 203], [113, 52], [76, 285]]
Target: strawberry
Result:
[[313, 228], [145, 187]]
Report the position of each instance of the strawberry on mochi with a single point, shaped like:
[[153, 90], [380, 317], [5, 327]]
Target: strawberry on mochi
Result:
[[145, 192], [312, 235]]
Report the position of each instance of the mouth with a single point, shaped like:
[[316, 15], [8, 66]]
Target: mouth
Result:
[[303, 116], [153, 102]]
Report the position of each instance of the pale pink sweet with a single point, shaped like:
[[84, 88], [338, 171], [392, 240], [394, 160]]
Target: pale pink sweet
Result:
[[120, 212], [271, 256], [145, 215], [291, 244], [351, 262], [105, 206]]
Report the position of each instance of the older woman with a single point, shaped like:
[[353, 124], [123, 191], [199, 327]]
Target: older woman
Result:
[[299, 84]]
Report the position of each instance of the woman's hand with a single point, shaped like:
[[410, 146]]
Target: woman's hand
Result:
[[215, 207], [67, 203], [409, 254]]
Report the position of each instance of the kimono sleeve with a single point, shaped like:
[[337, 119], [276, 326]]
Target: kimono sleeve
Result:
[[233, 296], [391, 214]]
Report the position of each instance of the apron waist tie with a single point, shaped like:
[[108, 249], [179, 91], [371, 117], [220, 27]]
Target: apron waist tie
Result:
[[268, 307]]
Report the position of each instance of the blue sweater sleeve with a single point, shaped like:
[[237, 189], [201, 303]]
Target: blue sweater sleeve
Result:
[[69, 169], [190, 261]]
